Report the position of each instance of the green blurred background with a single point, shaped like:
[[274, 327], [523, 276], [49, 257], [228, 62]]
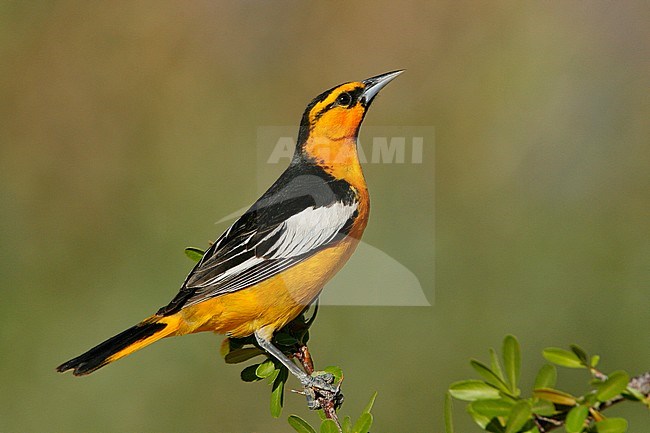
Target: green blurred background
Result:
[[128, 128]]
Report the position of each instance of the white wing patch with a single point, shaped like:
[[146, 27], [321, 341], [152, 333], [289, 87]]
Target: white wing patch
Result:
[[300, 234], [309, 229]]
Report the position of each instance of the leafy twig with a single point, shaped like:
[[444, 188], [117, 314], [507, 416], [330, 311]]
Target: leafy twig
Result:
[[496, 406], [640, 383]]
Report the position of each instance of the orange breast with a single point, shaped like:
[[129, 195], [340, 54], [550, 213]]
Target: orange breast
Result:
[[272, 303]]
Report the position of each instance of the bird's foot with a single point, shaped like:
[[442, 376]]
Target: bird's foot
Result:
[[321, 392]]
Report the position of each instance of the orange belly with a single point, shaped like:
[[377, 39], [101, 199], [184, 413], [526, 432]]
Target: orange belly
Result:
[[271, 304]]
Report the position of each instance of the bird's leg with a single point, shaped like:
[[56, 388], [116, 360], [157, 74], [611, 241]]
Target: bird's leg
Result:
[[277, 354], [316, 387]]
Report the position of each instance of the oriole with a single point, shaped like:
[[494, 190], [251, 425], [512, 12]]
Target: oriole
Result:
[[275, 259]]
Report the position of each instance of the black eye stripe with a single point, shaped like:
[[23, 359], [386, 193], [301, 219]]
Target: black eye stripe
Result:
[[354, 96]]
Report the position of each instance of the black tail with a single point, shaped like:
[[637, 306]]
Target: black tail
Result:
[[105, 352]]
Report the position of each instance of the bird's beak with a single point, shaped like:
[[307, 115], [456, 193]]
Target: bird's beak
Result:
[[375, 84]]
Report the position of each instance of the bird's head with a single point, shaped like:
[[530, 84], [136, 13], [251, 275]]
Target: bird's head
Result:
[[335, 115]]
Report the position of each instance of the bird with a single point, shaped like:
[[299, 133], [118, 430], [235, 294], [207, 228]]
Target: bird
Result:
[[274, 260]]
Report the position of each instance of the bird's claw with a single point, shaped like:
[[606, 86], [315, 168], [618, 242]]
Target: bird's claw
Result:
[[320, 391]]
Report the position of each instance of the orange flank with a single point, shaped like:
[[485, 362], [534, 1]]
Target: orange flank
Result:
[[273, 303]]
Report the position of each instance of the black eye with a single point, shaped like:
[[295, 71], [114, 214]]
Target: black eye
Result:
[[344, 99]]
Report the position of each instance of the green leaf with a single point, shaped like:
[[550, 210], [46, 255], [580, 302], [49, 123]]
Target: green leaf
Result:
[[613, 386], [489, 375], [481, 420], [544, 408], [495, 366], [328, 426], [519, 415], [562, 357], [277, 394], [581, 354], [492, 408], [546, 377], [512, 361], [589, 399], [634, 394], [471, 390], [346, 425], [612, 425], [248, 374], [594, 361], [265, 369], [371, 403], [240, 355], [194, 254], [555, 396], [271, 378], [575, 420], [449, 421], [300, 425], [363, 424], [335, 371]]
